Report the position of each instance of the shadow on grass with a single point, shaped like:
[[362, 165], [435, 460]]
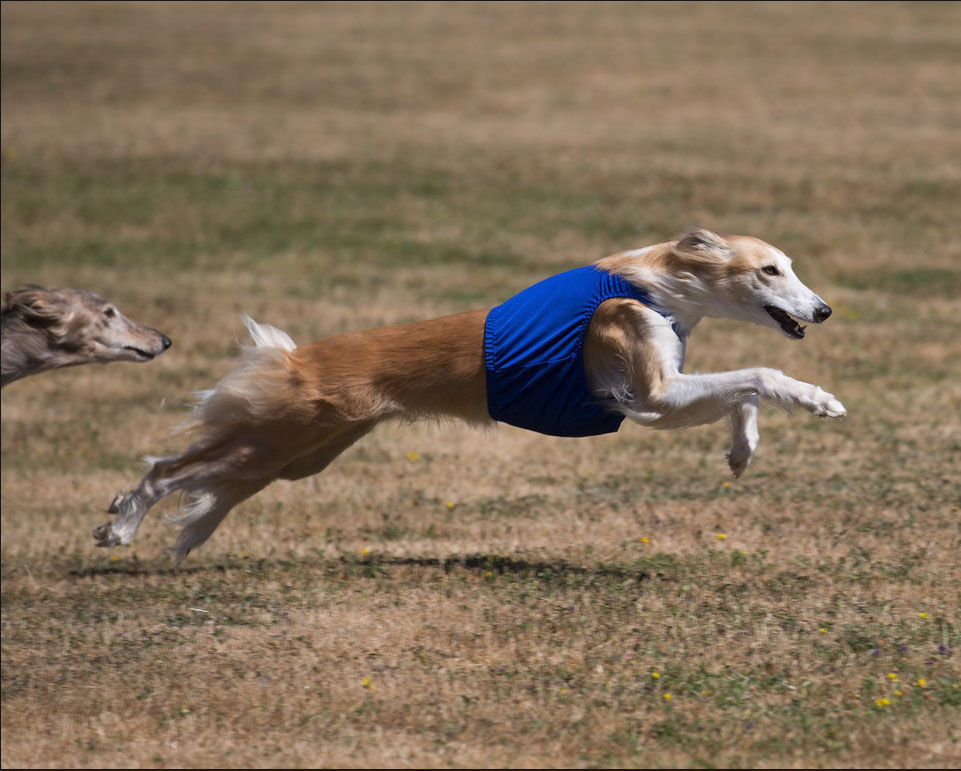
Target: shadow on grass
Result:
[[517, 566], [146, 569], [486, 563]]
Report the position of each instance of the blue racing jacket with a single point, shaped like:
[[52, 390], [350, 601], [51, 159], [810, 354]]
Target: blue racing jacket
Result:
[[533, 353]]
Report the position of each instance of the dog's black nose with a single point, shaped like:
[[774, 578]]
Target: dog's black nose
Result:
[[167, 343], [821, 313]]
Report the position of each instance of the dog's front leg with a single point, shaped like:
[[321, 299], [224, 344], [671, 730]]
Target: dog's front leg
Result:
[[691, 400], [786, 392], [688, 400], [745, 435]]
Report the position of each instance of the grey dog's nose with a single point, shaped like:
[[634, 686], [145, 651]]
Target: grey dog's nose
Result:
[[167, 343], [821, 313]]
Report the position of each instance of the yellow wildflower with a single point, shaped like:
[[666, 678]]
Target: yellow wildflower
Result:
[[642, 539], [721, 536], [882, 702], [891, 676], [923, 615], [413, 455], [450, 505], [823, 630], [898, 693], [922, 682], [655, 675], [114, 557], [364, 551], [667, 697]]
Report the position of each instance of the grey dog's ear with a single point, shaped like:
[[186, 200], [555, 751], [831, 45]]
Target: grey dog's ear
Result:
[[36, 304], [701, 244]]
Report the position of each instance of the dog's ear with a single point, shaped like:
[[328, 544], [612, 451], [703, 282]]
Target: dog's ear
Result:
[[701, 244], [35, 304]]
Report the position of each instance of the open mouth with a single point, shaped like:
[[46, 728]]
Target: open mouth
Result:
[[789, 325], [142, 354]]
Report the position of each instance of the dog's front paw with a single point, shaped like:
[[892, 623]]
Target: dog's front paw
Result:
[[742, 451], [835, 409], [738, 460], [825, 405], [830, 406]]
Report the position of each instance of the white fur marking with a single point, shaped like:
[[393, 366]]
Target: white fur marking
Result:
[[267, 336]]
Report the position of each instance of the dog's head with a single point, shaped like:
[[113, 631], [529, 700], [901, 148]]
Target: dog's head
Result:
[[82, 327], [752, 280]]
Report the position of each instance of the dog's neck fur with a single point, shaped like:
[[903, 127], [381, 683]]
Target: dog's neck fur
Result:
[[25, 350], [683, 296]]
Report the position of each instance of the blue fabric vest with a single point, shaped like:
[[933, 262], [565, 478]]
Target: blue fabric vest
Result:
[[533, 352]]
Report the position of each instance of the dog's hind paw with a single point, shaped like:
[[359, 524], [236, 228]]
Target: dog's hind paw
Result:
[[105, 536], [114, 507]]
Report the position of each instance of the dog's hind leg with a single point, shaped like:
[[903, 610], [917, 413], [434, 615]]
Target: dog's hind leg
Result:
[[132, 508], [210, 502], [318, 459], [160, 481], [200, 466], [216, 476], [207, 507]]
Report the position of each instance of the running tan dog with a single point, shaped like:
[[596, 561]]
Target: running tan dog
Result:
[[571, 356], [45, 329]]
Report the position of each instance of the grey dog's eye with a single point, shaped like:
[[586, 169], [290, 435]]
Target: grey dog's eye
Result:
[[110, 312], [771, 270]]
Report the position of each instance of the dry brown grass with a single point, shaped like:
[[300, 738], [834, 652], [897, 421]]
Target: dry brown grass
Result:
[[334, 166]]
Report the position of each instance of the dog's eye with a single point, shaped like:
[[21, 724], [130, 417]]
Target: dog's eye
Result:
[[771, 270], [110, 312]]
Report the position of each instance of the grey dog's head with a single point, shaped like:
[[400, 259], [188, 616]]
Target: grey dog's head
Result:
[[66, 327]]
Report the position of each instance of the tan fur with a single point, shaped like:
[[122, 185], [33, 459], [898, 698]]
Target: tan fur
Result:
[[711, 257], [286, 412], [427, 368], [618, 343]]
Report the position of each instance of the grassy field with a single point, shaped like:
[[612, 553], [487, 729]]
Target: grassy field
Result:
[[443, 596]]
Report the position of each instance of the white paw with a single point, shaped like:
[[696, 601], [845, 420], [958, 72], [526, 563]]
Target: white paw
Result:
[[825, 405], [112, 534], [835, 409], [105, 536]]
